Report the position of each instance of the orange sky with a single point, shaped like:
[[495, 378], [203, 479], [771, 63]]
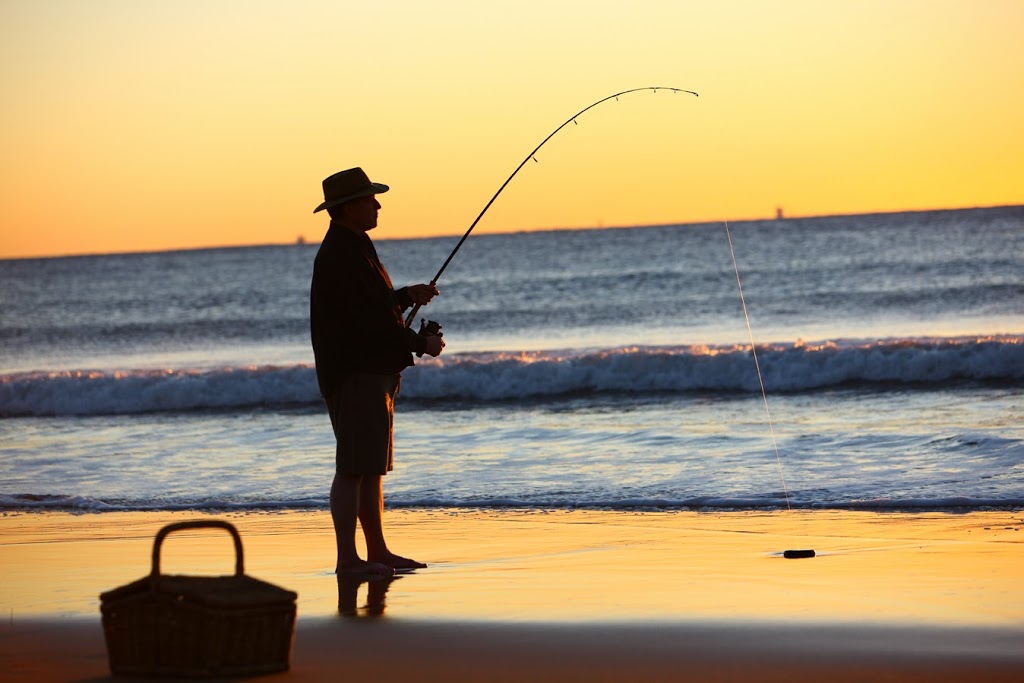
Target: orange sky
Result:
[[154, 125]]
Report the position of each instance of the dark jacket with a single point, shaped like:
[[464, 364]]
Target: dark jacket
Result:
[[355, 314]]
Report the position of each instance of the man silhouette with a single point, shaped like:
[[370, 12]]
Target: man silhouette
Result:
[[361, 345]]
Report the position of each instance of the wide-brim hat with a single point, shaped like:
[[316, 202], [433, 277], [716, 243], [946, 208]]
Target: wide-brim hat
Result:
[[347, 185]]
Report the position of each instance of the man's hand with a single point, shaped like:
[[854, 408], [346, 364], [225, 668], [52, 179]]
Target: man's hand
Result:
[[435, 344], [421, 295]]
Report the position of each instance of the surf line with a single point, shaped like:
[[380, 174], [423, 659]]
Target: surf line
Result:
[[757, 365], [572, 119]]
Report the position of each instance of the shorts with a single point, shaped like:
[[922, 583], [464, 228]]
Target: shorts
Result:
[[362, 409]]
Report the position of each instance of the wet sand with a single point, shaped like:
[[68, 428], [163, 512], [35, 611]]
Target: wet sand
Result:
[[562, 595]]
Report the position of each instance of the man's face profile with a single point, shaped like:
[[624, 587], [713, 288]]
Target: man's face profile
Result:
[[361, 214]]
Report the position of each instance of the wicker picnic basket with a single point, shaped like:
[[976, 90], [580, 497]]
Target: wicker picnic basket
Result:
[[196, 626]]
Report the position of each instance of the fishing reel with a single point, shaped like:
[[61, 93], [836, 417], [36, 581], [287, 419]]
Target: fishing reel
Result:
[[429, 328]]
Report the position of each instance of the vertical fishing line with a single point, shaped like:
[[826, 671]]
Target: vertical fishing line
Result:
[[757, 365]]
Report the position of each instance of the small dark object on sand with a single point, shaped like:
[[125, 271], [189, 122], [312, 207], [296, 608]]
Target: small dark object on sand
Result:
[[797, 554]]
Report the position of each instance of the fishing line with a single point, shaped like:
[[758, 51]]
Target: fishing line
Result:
[[757, 365], [571, 119]]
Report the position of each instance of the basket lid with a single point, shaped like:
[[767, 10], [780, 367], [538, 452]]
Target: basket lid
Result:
[[225, 592]]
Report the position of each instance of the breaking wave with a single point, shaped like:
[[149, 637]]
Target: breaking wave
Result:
[[509, 376]]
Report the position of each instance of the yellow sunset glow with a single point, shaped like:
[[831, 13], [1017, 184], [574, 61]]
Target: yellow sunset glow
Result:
[[157, 125]]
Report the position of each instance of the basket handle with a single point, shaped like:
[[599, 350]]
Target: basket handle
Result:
[[198, 524]]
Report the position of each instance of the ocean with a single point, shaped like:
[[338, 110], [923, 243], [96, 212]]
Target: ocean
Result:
[[606, 369]]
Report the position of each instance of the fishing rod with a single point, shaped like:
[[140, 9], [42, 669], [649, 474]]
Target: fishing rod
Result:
[[571, 119]]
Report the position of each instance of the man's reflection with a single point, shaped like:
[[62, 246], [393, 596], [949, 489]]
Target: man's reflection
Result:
[[348, 594]]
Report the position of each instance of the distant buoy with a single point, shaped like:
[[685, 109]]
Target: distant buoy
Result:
[[797, 554]]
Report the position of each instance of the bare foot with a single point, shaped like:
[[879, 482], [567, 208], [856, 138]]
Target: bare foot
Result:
[[398, 562], [367, 570]]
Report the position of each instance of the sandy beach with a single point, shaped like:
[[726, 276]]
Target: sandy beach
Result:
[[562, 595]]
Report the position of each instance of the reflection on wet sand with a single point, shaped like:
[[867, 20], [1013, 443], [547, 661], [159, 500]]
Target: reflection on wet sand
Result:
[[348, 595]]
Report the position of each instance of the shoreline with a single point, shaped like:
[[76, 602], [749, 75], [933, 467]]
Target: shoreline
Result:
[[562, 595]]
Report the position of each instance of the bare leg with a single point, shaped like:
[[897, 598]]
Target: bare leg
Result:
[[345, 507], [371, 517]]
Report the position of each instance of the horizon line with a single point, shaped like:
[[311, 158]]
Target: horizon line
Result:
[[300, 241]]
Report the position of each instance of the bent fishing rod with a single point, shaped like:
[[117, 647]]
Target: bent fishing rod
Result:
[[572, 119]]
